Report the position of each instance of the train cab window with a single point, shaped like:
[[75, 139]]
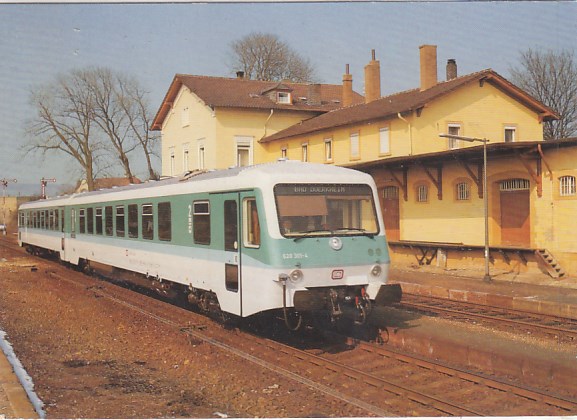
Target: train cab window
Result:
[[99, 221], [120, 229], [251, 224], [164, 222], [82, 221], [132, 221], [201, 222], [108, 220], [90, 220], [147, 222]]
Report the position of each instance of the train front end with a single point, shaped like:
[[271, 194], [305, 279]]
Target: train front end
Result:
[[334, 256]]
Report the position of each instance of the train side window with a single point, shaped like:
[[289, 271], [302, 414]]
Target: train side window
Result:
[[90, 220], [201, 222], [108, 228], [120, 229], [82, 221], [62, 220], [164, 222], [251, 224], [132, 221], [147, 222], [99, 221]]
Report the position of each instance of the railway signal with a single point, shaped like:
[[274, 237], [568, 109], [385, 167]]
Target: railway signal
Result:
[[43, 183]]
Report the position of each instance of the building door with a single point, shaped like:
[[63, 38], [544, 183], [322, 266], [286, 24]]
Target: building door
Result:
[[391, 213], [515, 212]]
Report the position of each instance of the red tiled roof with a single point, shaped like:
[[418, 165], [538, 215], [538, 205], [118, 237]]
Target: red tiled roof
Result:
[[252, 94], [407, 101]]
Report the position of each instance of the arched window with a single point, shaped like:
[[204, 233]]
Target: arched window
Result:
[[463, 191], [422, 193], [567, 186]]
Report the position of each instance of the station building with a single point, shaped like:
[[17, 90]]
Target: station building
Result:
[[430, 187]]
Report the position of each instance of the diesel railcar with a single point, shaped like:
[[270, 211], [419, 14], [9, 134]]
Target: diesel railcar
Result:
[[286, 238]]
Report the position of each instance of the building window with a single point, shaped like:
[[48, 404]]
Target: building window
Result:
[[384, 141], [328, 150], [305, 152], [567, 186], [185, 116], [201, 161], [283, 153], [283, 98], [243, 150], [510, 134], [463, 191], [391, 192], [454, 130], [422, 193], [185, 159], [171, 162], [514, 184], [354, 143]]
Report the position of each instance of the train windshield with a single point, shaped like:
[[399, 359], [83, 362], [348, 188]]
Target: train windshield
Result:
[[325, 209]]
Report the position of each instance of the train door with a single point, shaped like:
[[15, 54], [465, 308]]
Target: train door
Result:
[[232, 256]]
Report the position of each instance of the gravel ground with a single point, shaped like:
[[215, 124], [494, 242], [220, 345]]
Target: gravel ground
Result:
[[91, 358]]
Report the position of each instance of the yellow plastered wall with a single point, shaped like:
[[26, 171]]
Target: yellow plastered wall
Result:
[[482, 112], [191, 123], [178, 131]]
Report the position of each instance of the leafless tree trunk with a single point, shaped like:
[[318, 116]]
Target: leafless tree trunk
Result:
[[88, 113], [266, 57], [64, 123], [551, 77]]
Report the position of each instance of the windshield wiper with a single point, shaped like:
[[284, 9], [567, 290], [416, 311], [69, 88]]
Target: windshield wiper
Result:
[[354, 229], [310, 233]]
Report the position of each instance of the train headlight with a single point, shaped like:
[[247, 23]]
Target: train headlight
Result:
[[376, 270], [296, 275]]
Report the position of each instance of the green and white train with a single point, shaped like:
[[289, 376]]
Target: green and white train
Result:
[[284, 238]]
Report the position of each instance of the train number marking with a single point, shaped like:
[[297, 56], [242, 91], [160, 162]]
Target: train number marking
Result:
[[294, 255]]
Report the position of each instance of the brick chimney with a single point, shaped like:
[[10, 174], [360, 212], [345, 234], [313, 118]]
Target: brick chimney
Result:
[[428, 66], [240, 74], [372, 80], [347, 99], [451, 69], [314, 94]]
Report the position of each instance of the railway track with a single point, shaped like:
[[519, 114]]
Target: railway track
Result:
[[562, 330], [372, 380]]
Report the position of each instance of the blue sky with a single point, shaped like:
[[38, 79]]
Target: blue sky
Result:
[[155, 41]]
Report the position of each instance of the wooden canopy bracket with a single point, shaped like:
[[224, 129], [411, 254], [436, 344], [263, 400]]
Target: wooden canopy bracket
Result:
[[403, 185], [542, 154], [535, 175], [437, 181], [477, 178]]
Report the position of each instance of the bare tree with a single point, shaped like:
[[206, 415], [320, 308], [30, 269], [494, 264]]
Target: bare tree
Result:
[[109, 114], [90, 113], [64, 123], [265, 57], [551, 77]]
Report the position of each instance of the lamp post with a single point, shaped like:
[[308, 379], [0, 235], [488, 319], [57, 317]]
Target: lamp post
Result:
[[487, 277]]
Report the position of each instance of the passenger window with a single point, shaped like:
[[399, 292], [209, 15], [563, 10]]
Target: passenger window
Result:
[[164, 222], [90, 220], [120, 229], [251, 224], [201, 222], [108, 220], [147, 222], [82, 221], [99, 221], [132, 221]]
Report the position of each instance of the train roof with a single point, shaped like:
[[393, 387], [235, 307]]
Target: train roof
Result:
[[264, 175]]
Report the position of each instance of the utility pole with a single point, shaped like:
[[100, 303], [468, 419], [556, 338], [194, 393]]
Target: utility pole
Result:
[[4, 183], [43, 183]]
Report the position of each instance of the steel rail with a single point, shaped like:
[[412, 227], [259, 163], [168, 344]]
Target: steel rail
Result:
[[501, 316]]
